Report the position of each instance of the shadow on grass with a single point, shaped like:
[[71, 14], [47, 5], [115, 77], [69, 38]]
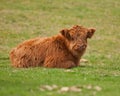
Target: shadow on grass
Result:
[[4, 58]]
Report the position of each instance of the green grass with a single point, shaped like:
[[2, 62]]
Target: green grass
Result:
[[25, 19]]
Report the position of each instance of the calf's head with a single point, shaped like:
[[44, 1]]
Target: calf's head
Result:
[[77, 37]]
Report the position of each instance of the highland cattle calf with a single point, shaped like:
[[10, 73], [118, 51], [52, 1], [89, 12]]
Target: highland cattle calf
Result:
[[61, 51]]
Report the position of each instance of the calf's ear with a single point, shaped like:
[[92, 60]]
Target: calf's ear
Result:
[[90, 32], [65, 33]]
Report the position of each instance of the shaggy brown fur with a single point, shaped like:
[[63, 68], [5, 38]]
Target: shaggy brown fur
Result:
[[61, 51]]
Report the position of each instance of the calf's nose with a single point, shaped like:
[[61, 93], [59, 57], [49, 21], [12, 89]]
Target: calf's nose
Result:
[[83, 46]]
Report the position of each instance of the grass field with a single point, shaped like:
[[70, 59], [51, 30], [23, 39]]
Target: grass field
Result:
[[25, 19]]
